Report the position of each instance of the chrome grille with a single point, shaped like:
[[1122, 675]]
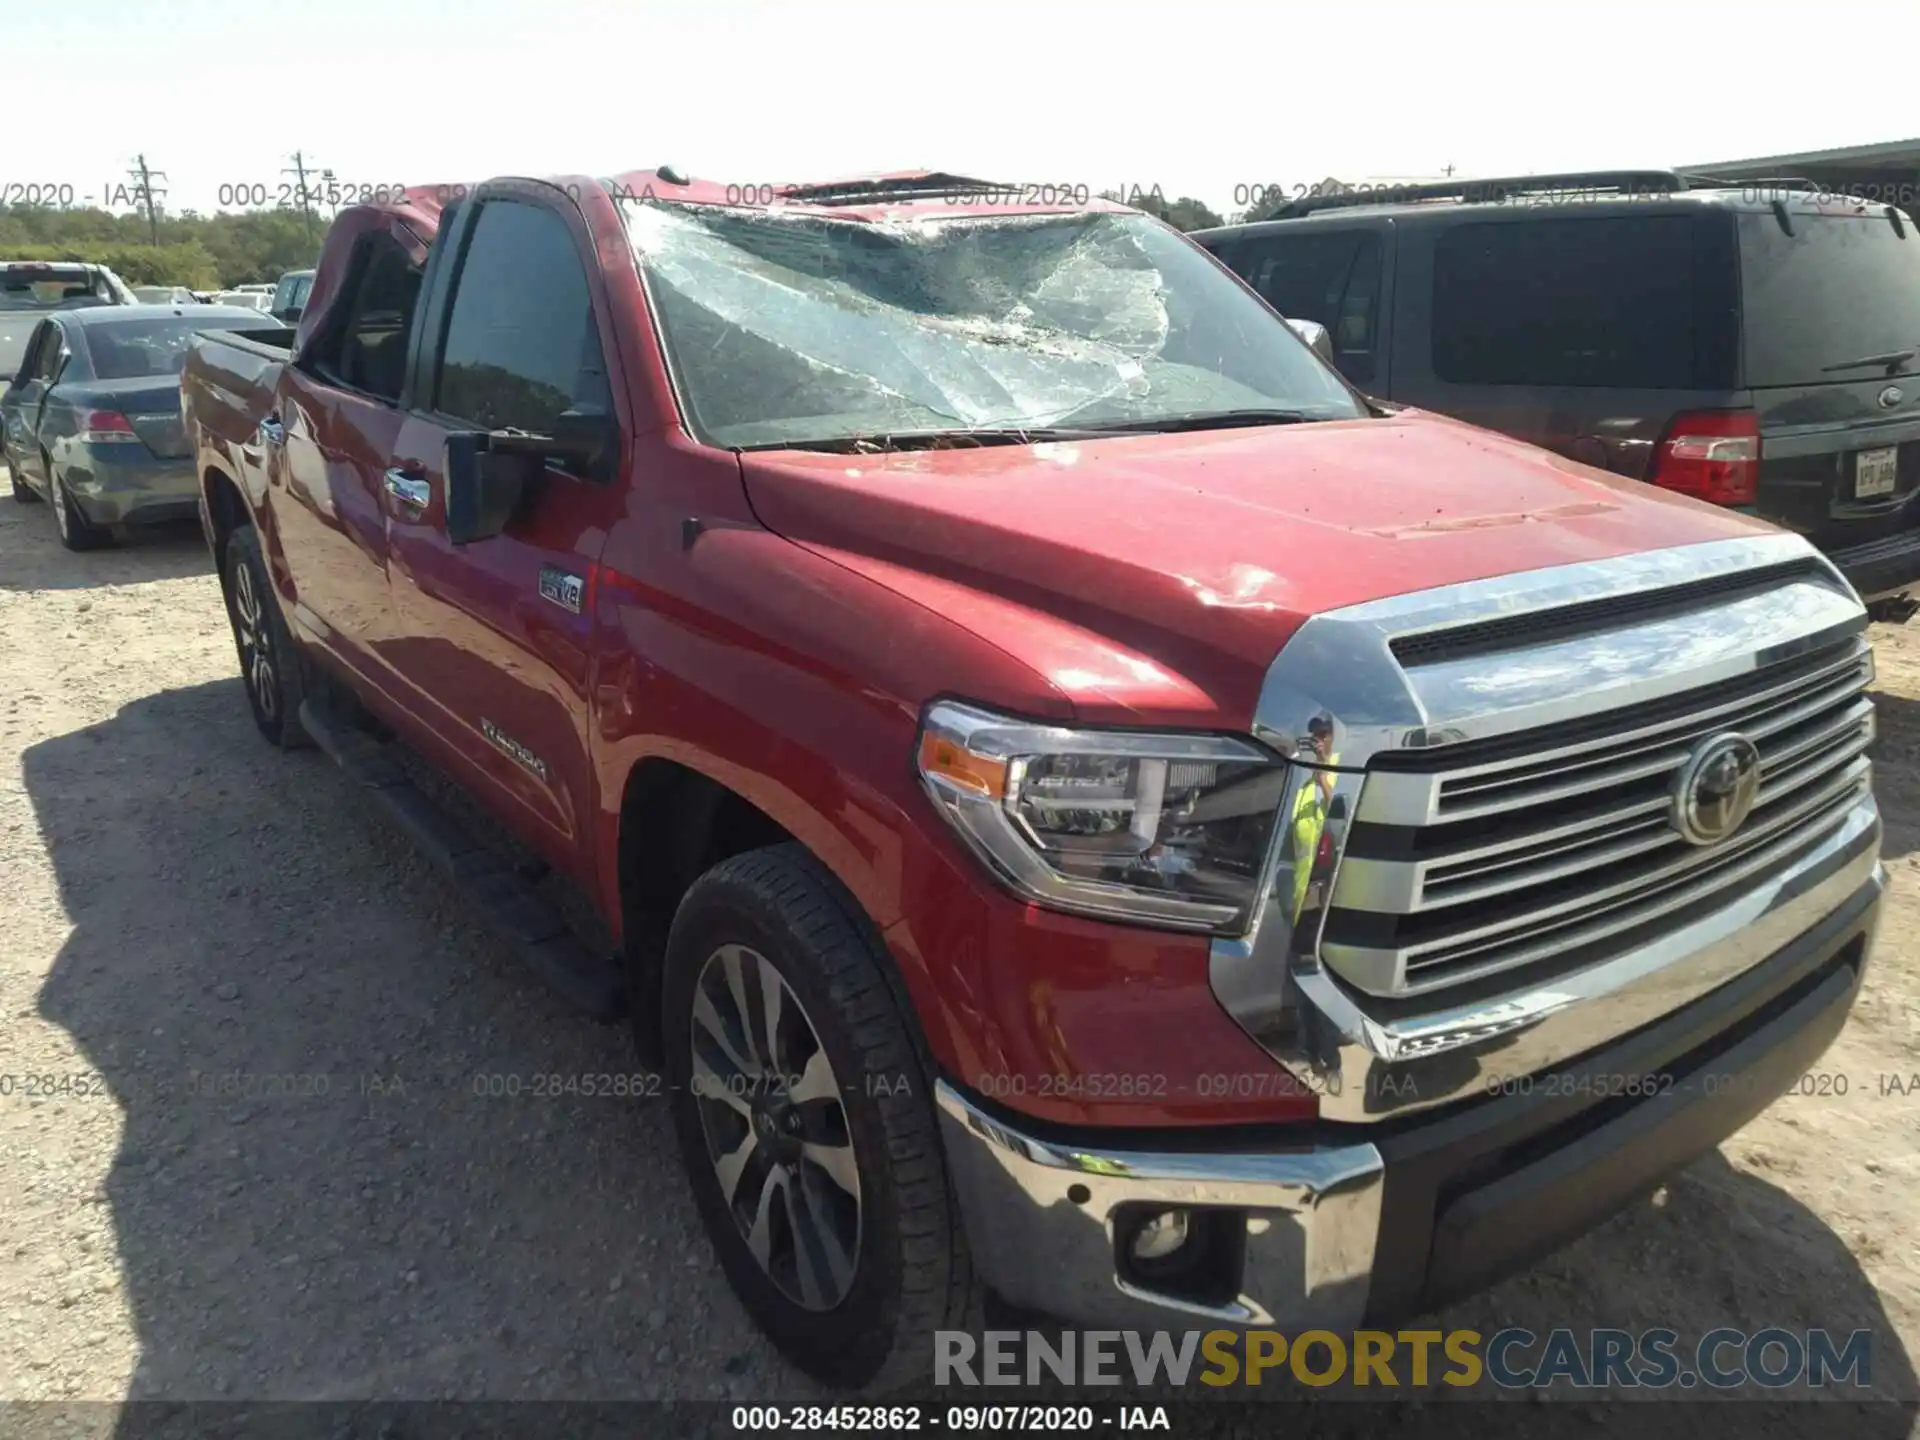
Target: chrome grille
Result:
[[1555, 845]]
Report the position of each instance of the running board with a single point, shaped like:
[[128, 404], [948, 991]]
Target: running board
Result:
[[536, 930]]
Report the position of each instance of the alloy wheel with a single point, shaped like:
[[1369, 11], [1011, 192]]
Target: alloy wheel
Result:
[[775, 1122], [256, 644]]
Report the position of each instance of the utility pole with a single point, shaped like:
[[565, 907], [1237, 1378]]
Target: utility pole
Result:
[[145, 178], [299, 171]]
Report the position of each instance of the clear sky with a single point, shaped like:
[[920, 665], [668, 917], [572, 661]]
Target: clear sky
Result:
[[1199, 98]]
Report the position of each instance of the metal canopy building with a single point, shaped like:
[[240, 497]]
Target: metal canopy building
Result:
[[1889, 172]]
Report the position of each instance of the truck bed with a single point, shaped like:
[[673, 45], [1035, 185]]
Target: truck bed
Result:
[[227, 388], [269, 342]]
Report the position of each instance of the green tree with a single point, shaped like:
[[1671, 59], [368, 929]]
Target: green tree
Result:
[[204, 252], [1186, 213]]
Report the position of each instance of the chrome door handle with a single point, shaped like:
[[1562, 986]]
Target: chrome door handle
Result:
[[272, 431], [409, 489]]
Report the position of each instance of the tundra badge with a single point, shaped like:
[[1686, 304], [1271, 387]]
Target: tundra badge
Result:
[[562, 587], [503, 741]]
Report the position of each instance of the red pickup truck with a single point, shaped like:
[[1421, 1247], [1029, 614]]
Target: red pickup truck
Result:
[[1087, 804]]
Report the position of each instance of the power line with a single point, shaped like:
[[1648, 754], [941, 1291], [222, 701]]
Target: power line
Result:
[[144, 178]]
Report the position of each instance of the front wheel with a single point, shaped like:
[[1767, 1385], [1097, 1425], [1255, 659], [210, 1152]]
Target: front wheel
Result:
[[269, 664], [807, 1125]]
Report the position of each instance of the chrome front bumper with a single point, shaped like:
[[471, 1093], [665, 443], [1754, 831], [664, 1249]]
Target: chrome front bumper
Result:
[[1042, 1219], [1377, 1222]]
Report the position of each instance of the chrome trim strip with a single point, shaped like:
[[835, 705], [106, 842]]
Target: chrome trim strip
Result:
[[1675, 891], [1366, 1068], [1313, 1225], [1402, 797], [1341, 663], [1400, 887], [1370, 1057]]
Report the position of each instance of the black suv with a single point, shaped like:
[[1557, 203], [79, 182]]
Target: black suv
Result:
[[1752, 346]]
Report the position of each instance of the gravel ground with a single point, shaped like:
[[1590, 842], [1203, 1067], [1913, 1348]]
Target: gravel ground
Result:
[[182, 902]]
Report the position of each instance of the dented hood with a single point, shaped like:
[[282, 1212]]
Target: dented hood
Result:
[[1153, 578]]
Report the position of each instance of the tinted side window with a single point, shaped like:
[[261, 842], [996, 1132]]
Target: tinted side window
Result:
[[1332, 278], [367, 345], [47, 359], [1625, 302], [36, 346], [521, 345]]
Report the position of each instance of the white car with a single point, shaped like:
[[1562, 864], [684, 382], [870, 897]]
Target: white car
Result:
[[252, 299]]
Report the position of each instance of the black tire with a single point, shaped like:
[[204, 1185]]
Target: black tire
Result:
[[912, 1273], [23, 493], [270, 664], [76, 531]]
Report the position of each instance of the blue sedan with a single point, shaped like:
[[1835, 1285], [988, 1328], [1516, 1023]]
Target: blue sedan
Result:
[[91, 423]]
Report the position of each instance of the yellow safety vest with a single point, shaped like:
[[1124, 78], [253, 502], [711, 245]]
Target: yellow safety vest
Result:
[[1308, 820]]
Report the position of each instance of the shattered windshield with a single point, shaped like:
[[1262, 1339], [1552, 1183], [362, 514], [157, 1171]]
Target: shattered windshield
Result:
[[794, 329]]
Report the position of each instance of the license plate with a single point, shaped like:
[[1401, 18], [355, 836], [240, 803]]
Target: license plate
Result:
[[1874, 472]]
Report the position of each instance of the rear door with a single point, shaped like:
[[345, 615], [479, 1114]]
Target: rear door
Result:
[[25, 398], [493, 637], [1832, 348], [326, 449], [1338, 276], [1584, 333]]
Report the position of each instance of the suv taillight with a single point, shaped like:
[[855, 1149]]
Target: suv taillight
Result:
[[105, 427], [1712, 455]]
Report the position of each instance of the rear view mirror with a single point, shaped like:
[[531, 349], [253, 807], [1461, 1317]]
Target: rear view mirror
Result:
[[1316, 336]]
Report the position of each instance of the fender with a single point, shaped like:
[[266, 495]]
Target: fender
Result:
[[793, 683]]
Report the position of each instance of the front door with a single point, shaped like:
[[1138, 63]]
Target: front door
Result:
[[494, 637]]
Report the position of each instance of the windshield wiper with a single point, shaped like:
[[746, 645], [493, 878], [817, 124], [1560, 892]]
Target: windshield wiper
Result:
[[965, 437], [1208, 420], [1892, 360], [957, 438]]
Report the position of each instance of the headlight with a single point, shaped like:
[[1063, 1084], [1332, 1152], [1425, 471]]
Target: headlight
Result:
[[1159, 829]]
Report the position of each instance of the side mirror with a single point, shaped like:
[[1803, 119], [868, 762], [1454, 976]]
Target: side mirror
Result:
[[291, 315], [484, 487], [490, 471], [1316, 336], [1337, 809], [585, 441], [588, 441]]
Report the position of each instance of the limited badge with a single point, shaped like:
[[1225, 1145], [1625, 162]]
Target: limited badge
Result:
[[508, 745]]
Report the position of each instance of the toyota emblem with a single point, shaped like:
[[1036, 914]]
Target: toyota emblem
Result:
[[1891, 396], [1715, 789]]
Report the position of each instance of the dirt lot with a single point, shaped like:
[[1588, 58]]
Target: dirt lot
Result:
[[181, 901]]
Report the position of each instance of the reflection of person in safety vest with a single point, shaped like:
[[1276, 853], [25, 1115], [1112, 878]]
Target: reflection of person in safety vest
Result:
[[1310, 803]]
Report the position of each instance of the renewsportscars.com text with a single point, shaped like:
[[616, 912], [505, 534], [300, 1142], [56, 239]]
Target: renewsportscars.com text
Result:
[[1510, 1359]]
